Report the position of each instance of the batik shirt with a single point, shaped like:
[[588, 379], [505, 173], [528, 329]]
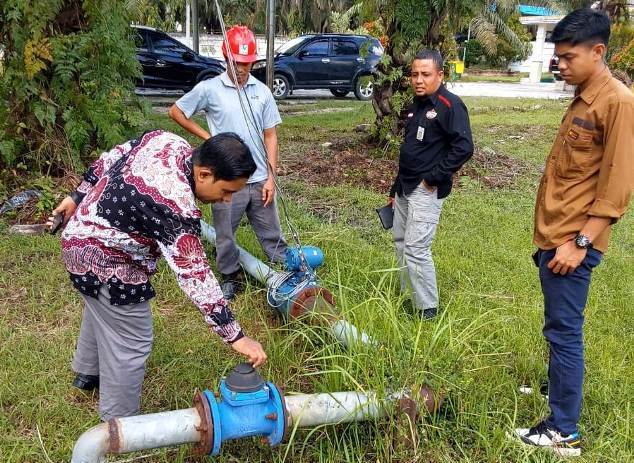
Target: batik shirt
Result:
[[136, 203]]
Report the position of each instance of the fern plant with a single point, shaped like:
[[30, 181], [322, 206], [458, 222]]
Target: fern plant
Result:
[[67, 82]]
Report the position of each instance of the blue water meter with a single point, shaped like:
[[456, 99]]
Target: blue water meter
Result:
[[246, 406]]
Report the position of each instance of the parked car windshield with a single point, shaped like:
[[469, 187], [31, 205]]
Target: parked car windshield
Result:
[[291, 46]]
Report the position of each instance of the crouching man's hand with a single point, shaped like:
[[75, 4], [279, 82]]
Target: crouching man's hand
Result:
[[67, 207], [251, 349]]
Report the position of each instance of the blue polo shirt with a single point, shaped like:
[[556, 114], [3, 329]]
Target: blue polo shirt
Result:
[[219, 99]]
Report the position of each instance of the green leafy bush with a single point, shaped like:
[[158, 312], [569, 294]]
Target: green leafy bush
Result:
[[67, 82], [621, 50]]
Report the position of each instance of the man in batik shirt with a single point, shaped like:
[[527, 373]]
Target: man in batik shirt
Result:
[[136, 203]]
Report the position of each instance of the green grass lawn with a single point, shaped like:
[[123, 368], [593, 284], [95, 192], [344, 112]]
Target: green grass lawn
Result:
[[486, 343]]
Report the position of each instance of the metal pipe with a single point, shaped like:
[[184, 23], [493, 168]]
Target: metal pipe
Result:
[[311, 410], [144, 432], [270, 42], [92, 446], [346, 333], [312, 298], [251, 264], [195, 26], [217, 418], [133, 433]]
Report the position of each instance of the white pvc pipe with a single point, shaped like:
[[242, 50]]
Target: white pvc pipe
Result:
[[346, 333], [92, 446], [251, 264], [133, 433], [311, 410]]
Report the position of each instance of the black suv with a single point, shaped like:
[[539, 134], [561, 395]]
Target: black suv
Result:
[[339, 62], [167, 63]]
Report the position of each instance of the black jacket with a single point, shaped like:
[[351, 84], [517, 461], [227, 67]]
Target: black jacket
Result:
[[437, 142]]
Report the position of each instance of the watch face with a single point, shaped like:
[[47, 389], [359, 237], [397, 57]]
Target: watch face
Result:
[[582, 241]]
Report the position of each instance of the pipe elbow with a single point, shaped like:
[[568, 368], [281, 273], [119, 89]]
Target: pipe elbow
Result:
[[92, 446]]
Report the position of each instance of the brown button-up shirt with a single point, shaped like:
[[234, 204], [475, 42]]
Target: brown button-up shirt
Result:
[[590, 168]]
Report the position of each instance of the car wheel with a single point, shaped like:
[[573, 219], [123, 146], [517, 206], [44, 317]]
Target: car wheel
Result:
[[338, 92], [364, 87], [281, 87]]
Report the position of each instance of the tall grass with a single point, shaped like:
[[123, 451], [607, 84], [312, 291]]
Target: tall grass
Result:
[[484, 344]]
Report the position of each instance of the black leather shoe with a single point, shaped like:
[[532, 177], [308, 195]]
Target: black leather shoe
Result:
[[408, 307], [86, 382], [232, 284], [428, 314]]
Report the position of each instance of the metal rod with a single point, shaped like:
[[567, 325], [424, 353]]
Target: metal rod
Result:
[[464, 53], [194, 7], [270, 42], [188, 20]]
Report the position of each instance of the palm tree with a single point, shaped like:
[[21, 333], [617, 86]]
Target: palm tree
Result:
[[413, 24]]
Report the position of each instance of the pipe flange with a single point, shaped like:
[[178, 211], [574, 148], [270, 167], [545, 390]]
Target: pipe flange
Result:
[[288, 420], [115, 438], [432, 400], [298, 308], [206, 428]]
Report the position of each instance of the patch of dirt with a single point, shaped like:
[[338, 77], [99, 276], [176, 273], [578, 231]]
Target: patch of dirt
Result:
[[494, 170], [348, 161]]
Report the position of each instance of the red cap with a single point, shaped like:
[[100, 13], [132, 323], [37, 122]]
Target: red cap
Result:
[[242, 43]]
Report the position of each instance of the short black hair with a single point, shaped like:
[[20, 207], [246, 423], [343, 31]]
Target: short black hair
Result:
[[583, 26], [226, 155], [433, 55]]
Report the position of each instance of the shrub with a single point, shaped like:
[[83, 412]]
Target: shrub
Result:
[[67, 85]]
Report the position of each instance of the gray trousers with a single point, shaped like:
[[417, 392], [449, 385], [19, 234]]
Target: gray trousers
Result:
[[264, 220], [416, 217], [114, 343]]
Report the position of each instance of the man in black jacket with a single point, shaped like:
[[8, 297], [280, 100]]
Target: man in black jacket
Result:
[[437, 142]]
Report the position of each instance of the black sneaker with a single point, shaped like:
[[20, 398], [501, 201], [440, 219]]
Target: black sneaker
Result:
[[232, 284], [86, 382], [408, 307], [549, 438], [428, 314]]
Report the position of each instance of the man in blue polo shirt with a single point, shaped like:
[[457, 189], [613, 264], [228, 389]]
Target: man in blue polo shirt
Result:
[[246, 107]]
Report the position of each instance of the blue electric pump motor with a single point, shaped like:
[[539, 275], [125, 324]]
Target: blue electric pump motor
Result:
[[313, 255], [245, 406], [297, 290]]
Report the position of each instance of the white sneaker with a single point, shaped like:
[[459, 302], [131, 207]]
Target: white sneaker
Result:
[[548, 438]]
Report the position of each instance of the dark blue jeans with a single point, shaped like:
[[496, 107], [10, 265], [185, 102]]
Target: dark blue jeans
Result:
[[565, 298]]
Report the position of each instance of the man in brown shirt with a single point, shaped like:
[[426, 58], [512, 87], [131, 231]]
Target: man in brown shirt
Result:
[[586, 187]]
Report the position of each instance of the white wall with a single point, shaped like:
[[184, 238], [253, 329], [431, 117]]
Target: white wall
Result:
[[525, 66], [211, 45]]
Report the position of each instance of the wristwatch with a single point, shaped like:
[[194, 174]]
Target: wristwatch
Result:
[[582, 241]]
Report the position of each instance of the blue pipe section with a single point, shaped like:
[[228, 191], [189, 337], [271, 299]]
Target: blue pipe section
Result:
[[235, 415]]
